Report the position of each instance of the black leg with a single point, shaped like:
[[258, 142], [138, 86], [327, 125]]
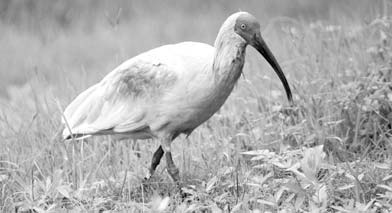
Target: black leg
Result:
[[156, 159]]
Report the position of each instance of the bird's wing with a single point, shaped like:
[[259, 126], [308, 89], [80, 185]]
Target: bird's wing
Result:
[[119, 103]]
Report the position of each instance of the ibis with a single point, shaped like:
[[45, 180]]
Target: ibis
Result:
[[169, 90]]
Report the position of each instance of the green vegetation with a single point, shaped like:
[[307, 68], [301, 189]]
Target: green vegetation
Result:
[[331, 152]]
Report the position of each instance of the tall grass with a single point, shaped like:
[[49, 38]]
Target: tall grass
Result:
[[330, 152]]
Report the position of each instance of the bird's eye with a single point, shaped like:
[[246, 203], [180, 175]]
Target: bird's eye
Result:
[[243, 26]]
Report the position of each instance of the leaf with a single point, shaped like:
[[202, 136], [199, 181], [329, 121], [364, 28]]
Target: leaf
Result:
[[369, 204], [322, 195], [211, 183], [159, 204], [283, 165], [265, 202], [163, 204], [237, 207], [191, 208], [64, 190], [259, 157], [382, 166], [254, 152], [3, 178], [260, 154], [388, 188], [345, 187], [360, 176], [350, 176], [279, 194], [387, 178], [312, 161]]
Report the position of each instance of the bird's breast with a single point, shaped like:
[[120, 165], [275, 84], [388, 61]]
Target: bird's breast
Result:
[[197, 102]]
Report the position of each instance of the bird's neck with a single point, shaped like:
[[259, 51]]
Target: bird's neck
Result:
[[228, 59]]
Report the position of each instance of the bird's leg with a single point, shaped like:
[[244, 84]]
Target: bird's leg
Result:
[[171, 168], [156, 159]]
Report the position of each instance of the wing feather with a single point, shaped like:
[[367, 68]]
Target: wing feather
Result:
[[119, 103]]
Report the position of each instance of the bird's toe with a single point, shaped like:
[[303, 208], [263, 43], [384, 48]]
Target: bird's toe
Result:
[[147, 176]]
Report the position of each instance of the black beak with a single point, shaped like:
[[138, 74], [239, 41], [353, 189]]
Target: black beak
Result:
[[263, 49]]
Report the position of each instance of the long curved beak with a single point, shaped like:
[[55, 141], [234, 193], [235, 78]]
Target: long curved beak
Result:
[[263, 49]]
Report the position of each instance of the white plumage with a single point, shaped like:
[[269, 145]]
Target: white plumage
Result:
[[168, 90], [140, 94]]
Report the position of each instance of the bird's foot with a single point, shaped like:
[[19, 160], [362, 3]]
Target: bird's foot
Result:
[[148, 175]]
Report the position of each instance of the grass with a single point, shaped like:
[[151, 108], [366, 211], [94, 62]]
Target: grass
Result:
[[331, 152]]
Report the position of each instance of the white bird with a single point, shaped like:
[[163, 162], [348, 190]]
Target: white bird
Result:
[[168, 90]]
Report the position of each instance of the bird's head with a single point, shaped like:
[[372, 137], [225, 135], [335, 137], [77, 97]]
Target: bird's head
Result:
[[248, 28]]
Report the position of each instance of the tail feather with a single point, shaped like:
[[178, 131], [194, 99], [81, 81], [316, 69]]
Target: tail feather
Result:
[[101, 110], [77, 112], [76, 137]]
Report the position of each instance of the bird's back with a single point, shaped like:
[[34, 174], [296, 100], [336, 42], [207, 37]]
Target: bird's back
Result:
[[128, 100]]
